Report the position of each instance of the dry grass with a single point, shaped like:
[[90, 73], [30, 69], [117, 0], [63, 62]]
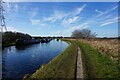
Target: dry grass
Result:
[[105, 46]]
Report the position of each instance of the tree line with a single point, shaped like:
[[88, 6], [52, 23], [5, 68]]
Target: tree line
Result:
[[10, 37]]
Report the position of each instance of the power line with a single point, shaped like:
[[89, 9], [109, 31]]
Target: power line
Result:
[[2, 18]]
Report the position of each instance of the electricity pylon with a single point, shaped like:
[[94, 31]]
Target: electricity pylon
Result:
[[2, 18]]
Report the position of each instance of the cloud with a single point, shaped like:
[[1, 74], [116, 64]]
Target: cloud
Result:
[[72, 17], [107, 23], [35, 21], [50, 19], [104, 18], [99, 11], [11, 28], [108, 16], [16, 7], [114, 19], [43, 24], [34, 12], [57, 15], [38, 22], [65, 16], [82, 26], [70, 29], [8, 6], [103, 13], [70, 20], [79, 10], [110, 21]]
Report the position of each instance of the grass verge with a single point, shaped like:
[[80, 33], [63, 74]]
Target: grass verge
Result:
[[62, 66], [97, 65]]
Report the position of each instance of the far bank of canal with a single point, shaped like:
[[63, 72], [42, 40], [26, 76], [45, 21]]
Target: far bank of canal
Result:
[[18, 61]]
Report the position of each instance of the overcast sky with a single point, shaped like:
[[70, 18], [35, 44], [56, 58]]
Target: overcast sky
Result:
[[55, 19]]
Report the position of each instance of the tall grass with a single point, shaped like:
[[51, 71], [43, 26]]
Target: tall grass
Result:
[[108, 47]]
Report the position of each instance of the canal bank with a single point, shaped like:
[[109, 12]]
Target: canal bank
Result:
[[24, 42], [62, 66], [95, 65]]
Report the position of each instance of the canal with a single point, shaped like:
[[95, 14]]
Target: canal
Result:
[[18, 61]]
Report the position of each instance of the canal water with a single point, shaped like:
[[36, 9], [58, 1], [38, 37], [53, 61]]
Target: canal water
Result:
[[18, 61]]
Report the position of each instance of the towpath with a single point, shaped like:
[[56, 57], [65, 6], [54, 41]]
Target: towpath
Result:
[[79, 70]]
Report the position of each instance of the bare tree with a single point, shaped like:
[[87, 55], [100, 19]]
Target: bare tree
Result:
[[84, 33], [76, 34]]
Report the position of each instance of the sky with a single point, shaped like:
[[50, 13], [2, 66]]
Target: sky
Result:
[[62, 18]]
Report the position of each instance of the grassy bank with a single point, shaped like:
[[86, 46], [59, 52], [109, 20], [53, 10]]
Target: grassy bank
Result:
[[62, 66], [97, 65]]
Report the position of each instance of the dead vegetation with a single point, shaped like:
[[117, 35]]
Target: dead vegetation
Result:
[[106, 46]]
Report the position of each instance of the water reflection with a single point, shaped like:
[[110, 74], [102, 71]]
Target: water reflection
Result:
[[22, 47], [18, 61]]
